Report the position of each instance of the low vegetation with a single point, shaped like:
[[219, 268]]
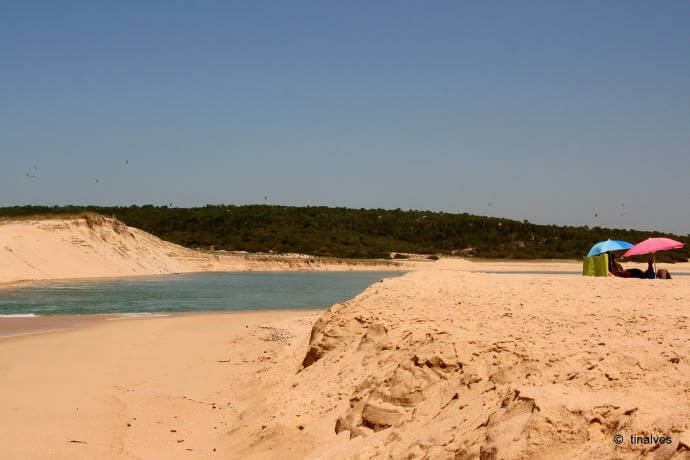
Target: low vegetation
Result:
[[10, 217], [354, 233]]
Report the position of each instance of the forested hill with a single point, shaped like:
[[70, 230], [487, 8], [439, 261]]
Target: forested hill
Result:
[[361, 233]]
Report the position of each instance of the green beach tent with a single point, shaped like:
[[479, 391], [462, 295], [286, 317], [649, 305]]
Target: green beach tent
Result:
[[596, 265]]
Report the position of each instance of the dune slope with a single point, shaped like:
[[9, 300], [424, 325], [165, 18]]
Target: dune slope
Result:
[[102, 247], [93, 247]]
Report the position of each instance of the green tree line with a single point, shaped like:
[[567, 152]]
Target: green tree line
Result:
[[357, 233]]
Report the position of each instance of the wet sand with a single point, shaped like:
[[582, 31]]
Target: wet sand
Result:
[[16, 325]]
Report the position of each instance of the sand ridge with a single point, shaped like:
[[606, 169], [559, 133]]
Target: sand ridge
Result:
[[462, 365]]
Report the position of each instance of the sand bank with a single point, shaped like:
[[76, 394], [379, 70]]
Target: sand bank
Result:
[[449, 364], [434, 364]]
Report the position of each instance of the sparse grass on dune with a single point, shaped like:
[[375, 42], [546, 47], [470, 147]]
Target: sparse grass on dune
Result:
[[92, 219], [81, 215]]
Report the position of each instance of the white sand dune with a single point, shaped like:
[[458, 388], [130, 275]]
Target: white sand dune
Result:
[[50, 249], [102, 247]]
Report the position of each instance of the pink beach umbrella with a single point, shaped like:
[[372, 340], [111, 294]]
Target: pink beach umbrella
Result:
[[652, 245]]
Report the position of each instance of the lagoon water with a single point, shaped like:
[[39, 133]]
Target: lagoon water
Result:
[[188, 292]]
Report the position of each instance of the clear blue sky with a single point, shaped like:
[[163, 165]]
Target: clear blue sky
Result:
[[551, 111]]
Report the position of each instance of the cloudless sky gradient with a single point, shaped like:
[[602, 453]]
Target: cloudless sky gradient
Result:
[[552, 111]]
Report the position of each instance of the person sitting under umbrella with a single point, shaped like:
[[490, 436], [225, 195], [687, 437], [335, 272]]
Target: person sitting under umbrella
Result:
[[650, 273], [615, 268]]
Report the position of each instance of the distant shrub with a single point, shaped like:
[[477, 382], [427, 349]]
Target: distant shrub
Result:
[[433, 257], [401, 256]]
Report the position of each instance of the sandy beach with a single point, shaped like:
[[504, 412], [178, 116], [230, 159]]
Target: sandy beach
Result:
[[456, 359], [163, 387], [438, 363]]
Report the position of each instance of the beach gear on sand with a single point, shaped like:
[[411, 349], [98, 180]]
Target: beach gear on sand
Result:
[[596, 265], [588, 266], [663, 274], [634, 273], [608, 245], [652, 245]]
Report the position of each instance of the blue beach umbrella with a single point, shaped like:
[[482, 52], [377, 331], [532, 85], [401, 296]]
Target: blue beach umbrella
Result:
[[608, 245]]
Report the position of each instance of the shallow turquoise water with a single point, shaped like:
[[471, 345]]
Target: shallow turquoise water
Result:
[[189, 292]]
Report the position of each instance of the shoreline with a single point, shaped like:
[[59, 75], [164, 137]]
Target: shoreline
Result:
[[20, 326], [330, 268], [24, 283], [15, 325], [461, 264]]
